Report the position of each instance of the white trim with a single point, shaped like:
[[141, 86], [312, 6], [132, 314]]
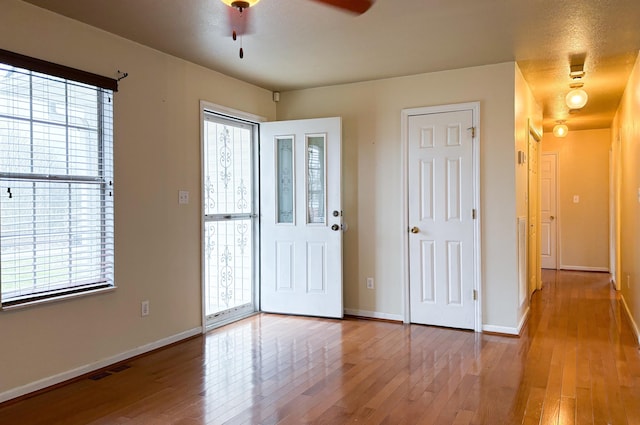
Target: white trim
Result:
[[477, 272], [231, 113], [229, 319], [634, 325], [558, 219], [584, 268], [523, 319], [373, 314], [506, 330], [82, 370]]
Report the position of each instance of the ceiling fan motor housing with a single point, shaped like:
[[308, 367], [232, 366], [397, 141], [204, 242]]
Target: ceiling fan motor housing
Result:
[[240, 4]]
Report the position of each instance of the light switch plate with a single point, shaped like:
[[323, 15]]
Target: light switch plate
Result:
[[576, 199], [183, 197]]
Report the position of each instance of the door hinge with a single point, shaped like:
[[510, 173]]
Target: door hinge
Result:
[[473, 214], [475, 295], [473, 132]]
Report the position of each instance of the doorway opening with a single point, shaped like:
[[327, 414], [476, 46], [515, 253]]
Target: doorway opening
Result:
[[229, 218]]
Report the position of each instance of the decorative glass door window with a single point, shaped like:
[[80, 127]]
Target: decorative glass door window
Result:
[[316, 179], [285, 171], [229, 217]]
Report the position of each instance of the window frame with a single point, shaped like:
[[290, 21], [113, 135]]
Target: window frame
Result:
[[103, 178]]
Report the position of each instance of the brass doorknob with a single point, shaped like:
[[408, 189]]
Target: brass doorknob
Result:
[[552, 218], [415, 230]]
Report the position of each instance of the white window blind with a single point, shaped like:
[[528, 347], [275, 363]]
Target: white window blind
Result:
[[56, 187]]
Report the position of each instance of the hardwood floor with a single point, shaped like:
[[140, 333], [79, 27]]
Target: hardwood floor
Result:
[[577, 362]]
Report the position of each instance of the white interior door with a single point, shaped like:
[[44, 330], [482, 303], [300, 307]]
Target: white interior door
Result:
[[548, 212], [441, 202], [301, 217]]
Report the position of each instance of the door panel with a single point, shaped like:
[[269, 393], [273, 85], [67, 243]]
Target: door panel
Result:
[[548, 229], [301, 217], [441, 243]]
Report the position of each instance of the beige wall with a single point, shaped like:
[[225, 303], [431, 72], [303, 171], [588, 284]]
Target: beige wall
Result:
[[157, 152], [626, 149], [372, 179], [157, 145], [583, 170]]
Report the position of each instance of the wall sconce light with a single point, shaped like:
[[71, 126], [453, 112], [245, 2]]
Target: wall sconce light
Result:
[[576, 98], [560, 130]]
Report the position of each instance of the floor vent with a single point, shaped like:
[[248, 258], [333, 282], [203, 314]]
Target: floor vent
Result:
[[99, 375], [103, 374], [119, 368]]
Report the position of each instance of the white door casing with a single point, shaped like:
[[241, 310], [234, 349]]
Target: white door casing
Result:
[[548, 211], [533, 208], [443, 236], [301, 217]]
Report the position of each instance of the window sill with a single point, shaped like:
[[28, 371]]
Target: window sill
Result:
[[54, 299]]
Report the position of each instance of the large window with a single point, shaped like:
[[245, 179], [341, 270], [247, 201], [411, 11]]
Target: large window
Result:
[[56, 186]]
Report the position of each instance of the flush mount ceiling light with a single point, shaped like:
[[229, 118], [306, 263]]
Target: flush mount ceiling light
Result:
[[560, 130], [576, 99]]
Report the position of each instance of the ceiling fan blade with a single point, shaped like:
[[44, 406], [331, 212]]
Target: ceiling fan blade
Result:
[[355, 6]]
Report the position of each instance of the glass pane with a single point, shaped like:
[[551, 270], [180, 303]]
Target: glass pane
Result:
[[52, 236], [15, 146], [49, 99], [285, 180], [15, 92], [227, 169], [316, 160], [228, 248]]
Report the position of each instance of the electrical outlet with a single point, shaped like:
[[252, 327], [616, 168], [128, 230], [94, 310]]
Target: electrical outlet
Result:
[[370, 283], [144, 308], [183, 197]]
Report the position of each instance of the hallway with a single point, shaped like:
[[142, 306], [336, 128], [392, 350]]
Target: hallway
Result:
[[576, 362]]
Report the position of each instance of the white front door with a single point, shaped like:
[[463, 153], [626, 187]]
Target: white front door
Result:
[[548, 228], [441, 207], [301, 217]]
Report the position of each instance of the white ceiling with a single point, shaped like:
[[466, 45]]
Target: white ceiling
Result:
[[301, 43]]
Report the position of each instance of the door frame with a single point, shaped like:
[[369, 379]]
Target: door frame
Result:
[[252, 119], [556, 194], [477, 258], [536, 135]]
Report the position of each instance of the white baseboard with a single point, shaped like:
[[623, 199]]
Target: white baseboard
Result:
[[82, 370], [523, 320], [373, 314], [500, 329], [584, 268], [634, 325]]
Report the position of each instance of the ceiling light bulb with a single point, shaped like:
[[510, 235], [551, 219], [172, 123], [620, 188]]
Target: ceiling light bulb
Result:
[[576, 99], [240, 4], [560, 130]]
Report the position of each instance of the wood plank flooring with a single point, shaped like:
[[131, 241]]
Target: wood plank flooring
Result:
[[577, 362]]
